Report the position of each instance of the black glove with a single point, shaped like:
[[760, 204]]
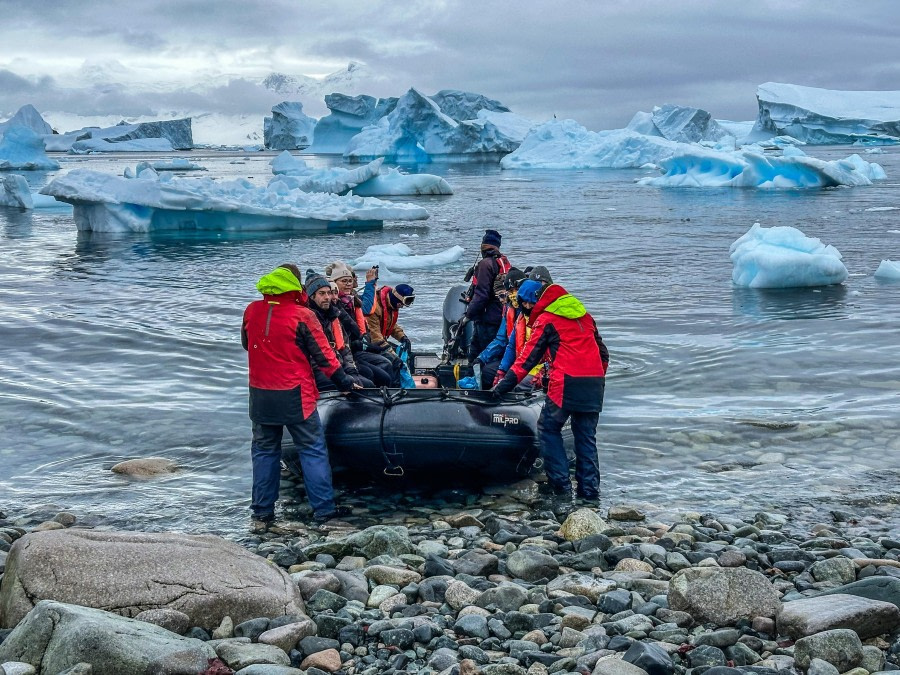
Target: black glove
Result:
[[505, 385], [496, 393], [407, 345]]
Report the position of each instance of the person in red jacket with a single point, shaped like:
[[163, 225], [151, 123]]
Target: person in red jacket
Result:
[[563, 331], [283, 338]]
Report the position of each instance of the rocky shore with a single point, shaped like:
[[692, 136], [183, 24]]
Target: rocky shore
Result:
[[522, 587]]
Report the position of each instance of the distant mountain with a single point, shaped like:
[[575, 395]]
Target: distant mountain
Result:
[[309, 89]]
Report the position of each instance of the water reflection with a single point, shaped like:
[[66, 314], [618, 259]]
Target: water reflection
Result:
[[17, 223], [825, 302]]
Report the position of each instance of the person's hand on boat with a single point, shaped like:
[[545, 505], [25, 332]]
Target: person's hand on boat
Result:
[[353, 388], [496, 393], [498, 377]]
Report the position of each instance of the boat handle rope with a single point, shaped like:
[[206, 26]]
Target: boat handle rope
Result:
[[393, 468]]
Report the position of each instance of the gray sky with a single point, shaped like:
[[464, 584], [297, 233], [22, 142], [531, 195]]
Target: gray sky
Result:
[[597, 62]]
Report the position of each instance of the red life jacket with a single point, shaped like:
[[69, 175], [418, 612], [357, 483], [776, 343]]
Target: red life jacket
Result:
[[510, 312], [388, 313], [337, 333]]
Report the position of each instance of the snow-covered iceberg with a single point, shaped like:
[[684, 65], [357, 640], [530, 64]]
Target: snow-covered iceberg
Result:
[[366, 180], [14, 191], [175, 164], [160, 136], [22, 149], [27, 116], [151, 202], [289, 128], [702, 167], [418, 129], [348, 116], [565, 144], [824, 116], [679, 123], [888, 270], [784, 257], [400, 258]]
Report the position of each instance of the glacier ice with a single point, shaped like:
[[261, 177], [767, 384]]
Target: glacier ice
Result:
[[159, 136], [22, 149], [417, 130], [348, 115], [151, 202], [824, 116], [176, 164], [400, 258], [784, 257], [683, 124], [565, 144], [888, 270], [289, 128], [702, 167], [27, 116], [366, 180], [465, 105], [14, 191]]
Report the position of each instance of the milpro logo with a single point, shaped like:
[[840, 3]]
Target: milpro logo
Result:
[[504, 419]]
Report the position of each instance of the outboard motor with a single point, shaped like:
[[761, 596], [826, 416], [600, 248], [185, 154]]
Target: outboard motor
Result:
[[454, 309]]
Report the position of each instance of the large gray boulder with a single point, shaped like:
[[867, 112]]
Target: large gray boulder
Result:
[[840, 648], [722, 595], [205, 577], [886, 589], [56, 636], [868, 618]]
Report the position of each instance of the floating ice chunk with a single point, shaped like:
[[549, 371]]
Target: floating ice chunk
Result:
[[792, 151], [338, 180], [22, 149], [109, 203], [883, 208], [394, 183], [27, 116], [91, 145], [287, 164], [349, 115], [289, 128], [139, 137], [399, 258], [699, 167], [874, 151], [823, 116], [565, 144], [784, 257], [14, 191], [888, 270], [177, 164], [740, 130]]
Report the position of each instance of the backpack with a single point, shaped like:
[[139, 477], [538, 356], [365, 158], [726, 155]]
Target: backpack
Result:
[[503, 269]]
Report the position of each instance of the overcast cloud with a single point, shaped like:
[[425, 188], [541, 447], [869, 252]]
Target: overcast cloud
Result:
[[596, 62]]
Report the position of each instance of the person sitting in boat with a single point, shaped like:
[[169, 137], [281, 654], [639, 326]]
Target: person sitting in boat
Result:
[[521, 331], [562, 330], [491, 356], [321, 296], [284, 342], [484, 309], [382, 320], [352, 309]]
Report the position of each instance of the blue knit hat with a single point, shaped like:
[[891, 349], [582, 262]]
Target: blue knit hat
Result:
[[400, 294], [491, 237], [528, 291]]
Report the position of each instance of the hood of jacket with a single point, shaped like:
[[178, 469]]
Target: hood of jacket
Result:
[[556, 300], [278, 281]]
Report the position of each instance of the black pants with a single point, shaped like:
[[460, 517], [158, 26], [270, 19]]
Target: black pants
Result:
[[375, 367], [488, 373], [481, 337]]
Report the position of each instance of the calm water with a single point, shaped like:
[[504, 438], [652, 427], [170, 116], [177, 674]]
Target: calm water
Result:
[[719, 399]]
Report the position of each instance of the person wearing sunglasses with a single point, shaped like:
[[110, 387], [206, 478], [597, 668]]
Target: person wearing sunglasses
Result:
[[382, 320]]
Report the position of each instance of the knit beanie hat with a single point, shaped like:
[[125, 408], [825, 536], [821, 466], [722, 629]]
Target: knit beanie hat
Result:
[[528, 291], [491, 237], [540, 273], [314, 282], [513, 277], [400, 291], [338, 270]]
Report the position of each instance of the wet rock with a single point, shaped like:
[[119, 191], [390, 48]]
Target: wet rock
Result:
[[472, 625], [205, 577], [224, 630], [582, 523], [613, 665], [170, 619], [506, 597], [838, 570], [393, 576], [286, 637], [625, 513], [459, 520], [369, 543], [145, 467], [841, 648], [821, 667], [614, 602], [442, 658], [578, 583], [530, 565], [328, 660], [252, 628], [324, 601], [885, 589], [438, 567], [868, 618], [310, 582], [459, 595], [401, 638], [54, 635], [706, 656], [722, 595], [650, 657], [717, 638], [240, 655], [476, 563]]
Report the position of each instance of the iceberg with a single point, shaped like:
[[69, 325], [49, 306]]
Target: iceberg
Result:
[[348, 115], [418, 129], [702, 167], [784, 257], [400, 258], [289, 128], [14, 191], [565, 144], [824, 116], [161, 136], [366, 180], [22, 149], [176, 164], [465, 105], [679, 123], [888, 270], [107, 203], [27, 116]]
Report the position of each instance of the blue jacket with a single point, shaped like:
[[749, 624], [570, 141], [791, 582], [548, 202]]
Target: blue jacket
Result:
[[368, 296]]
